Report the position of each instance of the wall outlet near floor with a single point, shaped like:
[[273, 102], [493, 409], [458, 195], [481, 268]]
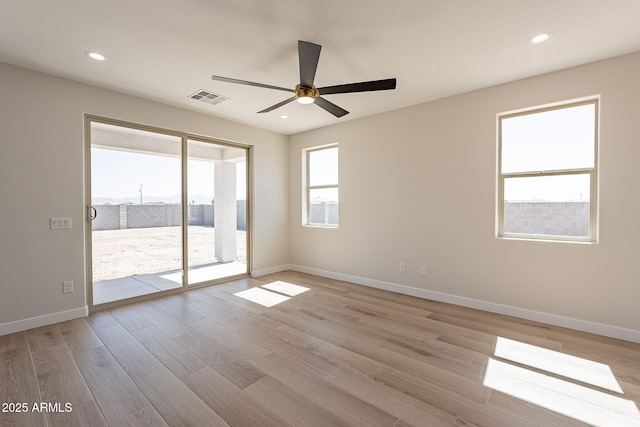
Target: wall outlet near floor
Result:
[[403, 267], [67, 287], [423, 270]]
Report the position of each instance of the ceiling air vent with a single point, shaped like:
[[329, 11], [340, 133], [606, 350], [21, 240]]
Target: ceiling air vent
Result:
[[208, 97]]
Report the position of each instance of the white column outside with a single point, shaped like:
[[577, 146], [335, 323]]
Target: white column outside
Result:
[[225, 211]]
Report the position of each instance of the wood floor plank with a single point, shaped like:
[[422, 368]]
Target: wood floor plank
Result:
[[60, 382], [234, 405], [465, 363], [145, 417], [295, 408], [130, 319], [78, 335], [176, 403], [18, 384], [448, 400], [325, 329], [390, 329], [169, 325], [392, 401], [101, 319], [179, 359], [230, 340], [44, 337], [176, 307], [129, 352], [227, 363], [529, 412], [84, 415], [394, 306], [114, 391], [300, 354], [350, 409], [233, 316], [13, 341], [332, 353]]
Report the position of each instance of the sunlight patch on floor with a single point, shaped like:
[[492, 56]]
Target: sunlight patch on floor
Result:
[[285, 288], [580, 369], [272, 294], [581, 402], [262, 297]]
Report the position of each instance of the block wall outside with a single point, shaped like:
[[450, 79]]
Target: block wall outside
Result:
[[323, 213], [108, 217], [145, 216], [556, 218]]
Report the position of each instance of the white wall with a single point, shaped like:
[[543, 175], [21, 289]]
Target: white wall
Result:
[[403, 175], [42, 176]]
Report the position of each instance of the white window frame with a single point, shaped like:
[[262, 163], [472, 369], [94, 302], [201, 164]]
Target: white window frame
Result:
[[592, 172], [308, 187]]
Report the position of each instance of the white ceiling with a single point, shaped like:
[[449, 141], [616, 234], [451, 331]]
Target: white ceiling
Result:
[[166, 50]]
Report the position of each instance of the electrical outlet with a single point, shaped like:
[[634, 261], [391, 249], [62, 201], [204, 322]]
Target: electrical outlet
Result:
[[403, 267], [423, 270], [67, 287]]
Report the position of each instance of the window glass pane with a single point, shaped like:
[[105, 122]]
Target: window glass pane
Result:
[[323, 167], [548, 205], [549, 140], [323, 206], [556, 188]]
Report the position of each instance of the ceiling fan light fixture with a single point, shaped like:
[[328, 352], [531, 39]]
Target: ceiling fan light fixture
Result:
[[305, 100], [305, 95]]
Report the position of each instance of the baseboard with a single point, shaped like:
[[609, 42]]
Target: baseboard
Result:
[[270, 270], [47, 319], [523, 313]]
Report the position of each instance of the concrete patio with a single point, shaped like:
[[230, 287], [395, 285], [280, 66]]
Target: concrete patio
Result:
[[140, 261]]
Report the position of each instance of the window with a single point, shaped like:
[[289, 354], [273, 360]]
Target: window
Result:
[[321, 186], [547, 172]]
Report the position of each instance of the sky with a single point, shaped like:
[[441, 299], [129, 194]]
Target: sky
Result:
[[552, 140], [119, 175]]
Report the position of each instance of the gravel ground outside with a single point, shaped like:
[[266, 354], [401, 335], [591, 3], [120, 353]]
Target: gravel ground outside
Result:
[[131, 251]]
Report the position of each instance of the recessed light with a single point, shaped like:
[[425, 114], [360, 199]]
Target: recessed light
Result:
[[284, 116], [541, 38], [96, 56]]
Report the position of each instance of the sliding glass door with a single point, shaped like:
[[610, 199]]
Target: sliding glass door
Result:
[[166, 211], [217, 220]]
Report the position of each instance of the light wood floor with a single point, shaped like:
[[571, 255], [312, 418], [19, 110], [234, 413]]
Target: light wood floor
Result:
[[336, 355]]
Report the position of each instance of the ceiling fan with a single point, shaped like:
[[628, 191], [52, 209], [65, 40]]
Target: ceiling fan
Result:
[[306, 92]]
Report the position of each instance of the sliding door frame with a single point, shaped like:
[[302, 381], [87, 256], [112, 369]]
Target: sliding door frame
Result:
[[185, 137]]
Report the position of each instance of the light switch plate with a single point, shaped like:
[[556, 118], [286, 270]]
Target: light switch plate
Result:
[[60, 223]]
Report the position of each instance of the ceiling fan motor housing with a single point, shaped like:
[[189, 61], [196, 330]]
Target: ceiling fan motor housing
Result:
[[306, 92]]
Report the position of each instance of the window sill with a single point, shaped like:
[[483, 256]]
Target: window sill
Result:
[[328, 226], [549, 239]]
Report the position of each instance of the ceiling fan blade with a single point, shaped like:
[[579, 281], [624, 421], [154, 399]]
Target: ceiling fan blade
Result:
[[308, 54], [359, 87], [246, 83], [330, 107], [278, 105]]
